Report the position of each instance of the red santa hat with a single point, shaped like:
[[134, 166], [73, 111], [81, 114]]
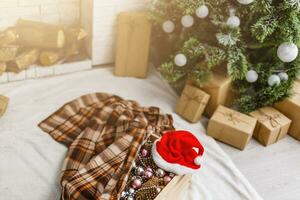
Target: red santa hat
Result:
[[179, 152]]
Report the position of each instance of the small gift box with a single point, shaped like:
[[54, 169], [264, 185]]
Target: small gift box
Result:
[[290, 107], [3, 104], [218, 87], [272, 125], [231, 127], [192, 103], [133, 44], [2, 67]]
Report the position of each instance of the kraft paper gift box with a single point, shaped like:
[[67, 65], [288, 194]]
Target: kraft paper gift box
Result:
[[291, 108], [272, 125], [3, 104], [192, 103], [218, 87], [231, 127], [2, 67], [133, 44]]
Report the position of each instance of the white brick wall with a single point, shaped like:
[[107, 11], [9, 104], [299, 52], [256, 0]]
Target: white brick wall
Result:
[[52, 11]]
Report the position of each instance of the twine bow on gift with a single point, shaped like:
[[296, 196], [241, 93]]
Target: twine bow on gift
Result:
[[232, 117], [196, 97], [271, 118], [274, 123]]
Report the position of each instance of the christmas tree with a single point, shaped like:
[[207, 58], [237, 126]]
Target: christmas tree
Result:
[[256, 39]]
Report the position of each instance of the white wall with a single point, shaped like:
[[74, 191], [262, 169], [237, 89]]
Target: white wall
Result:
[[53, 11]]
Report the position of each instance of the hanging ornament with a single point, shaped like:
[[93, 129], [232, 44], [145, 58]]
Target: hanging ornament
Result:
[[245, 2], [283, 76], [180, 60], [251, 76], [168, 26], [187, 21], [274, 80], [287, 52], [233, 20], [202, 11]]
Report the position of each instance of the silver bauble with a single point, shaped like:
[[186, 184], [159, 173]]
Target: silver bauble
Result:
[[274, 80], [287, 52]]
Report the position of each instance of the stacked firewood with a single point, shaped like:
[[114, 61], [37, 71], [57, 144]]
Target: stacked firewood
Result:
[[31, 42]]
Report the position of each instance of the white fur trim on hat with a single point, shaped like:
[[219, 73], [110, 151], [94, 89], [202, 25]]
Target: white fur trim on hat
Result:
[[170, 167]]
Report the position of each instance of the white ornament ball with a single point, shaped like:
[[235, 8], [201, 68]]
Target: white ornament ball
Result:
[[202, 11], [168, 26], [283, 76], [287, 52], [233, 21], [187, 21], [198, 160], [274, 80], [180, 60], [251, 76], [245, 2]]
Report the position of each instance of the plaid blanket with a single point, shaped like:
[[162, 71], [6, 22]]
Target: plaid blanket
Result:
[[103, 134]]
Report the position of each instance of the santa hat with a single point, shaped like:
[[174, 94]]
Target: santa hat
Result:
[[179, 152]]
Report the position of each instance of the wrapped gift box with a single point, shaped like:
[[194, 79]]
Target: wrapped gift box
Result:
[[133, 44], [3, 104], [192, 103], [272, 125], [231, 127], [218, 87], [2, 67], [291, 108]]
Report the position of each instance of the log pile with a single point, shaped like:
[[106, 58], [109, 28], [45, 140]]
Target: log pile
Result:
[[31, 42]]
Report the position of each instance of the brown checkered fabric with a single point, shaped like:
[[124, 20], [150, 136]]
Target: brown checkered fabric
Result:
[[103, 134]]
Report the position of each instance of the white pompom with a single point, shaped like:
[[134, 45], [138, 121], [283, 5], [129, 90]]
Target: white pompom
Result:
[[245, 2], [187, 21], [233, 21], [251, 76], [202, 11], [287, 52], [283, 76], [198, 160], [168, 26], [180, 60], [274, 80]]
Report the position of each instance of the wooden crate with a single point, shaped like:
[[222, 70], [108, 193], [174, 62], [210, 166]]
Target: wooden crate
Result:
[[177, 188]]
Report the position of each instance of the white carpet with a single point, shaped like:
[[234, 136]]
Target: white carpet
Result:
[[30, 160]]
